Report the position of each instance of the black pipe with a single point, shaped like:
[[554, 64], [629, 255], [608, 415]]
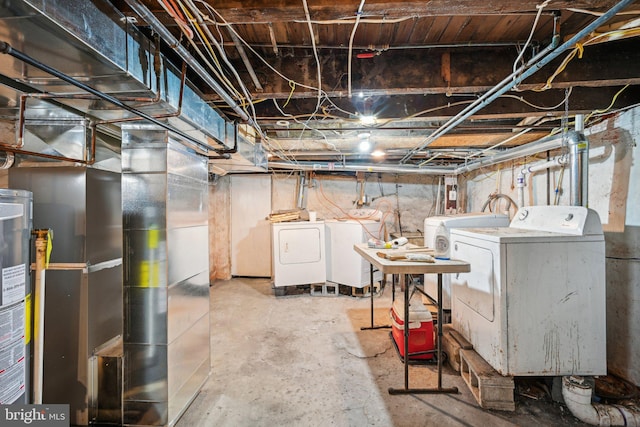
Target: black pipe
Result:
[[7, 49], [224, 154]]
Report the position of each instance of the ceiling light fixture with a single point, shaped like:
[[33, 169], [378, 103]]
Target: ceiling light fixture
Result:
[[368, 120], [378, 153], [365, 145]]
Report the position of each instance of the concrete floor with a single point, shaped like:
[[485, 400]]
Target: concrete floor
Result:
[[302, 360]]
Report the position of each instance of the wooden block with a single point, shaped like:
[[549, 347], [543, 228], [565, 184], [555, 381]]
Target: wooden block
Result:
[[491, 390], [451, 347], [461, 340]]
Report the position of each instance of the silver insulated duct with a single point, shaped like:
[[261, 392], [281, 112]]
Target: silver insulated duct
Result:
[[96, 45], [166, 280]]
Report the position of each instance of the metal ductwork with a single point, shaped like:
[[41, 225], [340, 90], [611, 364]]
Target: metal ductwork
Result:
[[96, 45]]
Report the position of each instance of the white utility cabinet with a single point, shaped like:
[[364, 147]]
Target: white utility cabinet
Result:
[[344, 265]]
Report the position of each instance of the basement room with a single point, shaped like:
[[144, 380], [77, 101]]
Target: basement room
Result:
[[313, 213]]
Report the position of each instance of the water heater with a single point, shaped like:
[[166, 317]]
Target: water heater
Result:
[[15, 298]]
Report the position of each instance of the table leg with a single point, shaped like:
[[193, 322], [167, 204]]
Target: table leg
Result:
[[438, 389], [364, 328], [407, 291]]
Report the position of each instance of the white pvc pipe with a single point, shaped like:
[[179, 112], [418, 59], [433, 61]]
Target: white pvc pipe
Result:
[[577, 397], [558, 161]]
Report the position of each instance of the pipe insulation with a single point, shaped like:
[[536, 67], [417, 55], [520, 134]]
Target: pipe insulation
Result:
[[577, 396]]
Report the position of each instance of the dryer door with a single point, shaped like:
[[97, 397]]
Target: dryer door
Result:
[[300, 245], [476, 290]]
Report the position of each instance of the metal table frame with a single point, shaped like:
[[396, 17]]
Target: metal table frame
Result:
[[404, 269]]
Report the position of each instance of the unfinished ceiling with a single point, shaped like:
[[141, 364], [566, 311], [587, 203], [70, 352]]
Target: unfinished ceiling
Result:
[[307, 72], [442, 83]]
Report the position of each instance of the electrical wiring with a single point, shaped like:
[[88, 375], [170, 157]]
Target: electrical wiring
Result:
[[539, 107], [198, 21], [345, 214], [306, 126], [579, 50], [350, 51], [264, 61], [315, 55], [591, 12], [613, 101], [177, 16], [540, 7], [216, 70]]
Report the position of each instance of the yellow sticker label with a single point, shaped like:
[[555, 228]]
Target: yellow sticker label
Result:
[[49, 248], [149, 274], [27, 319], [153, 237]]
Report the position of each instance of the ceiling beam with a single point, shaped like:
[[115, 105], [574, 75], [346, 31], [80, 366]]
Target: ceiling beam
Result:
[[441, 71], [239, 11], [432, 107]]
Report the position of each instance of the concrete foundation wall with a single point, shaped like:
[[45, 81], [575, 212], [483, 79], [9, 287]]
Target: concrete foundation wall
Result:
[[404, 201], [219, 228]]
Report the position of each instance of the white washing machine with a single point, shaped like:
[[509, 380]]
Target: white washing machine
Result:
[[464, 220], [534, 300], [344, 265], [298, 253]]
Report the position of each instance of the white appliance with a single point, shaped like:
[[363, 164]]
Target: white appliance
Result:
[[463, 220], [344, 265], [298, 253], [534, 300]]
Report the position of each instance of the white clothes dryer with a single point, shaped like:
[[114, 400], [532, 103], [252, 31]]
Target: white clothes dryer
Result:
[[534, 300]]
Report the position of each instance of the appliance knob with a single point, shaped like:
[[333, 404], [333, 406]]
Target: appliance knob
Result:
[[569, 217], [523, 214]]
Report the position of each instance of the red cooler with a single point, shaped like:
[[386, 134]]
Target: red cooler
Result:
[[420, 328]]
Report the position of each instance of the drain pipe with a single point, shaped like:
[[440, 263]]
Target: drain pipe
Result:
[[522, 176], [579, 156], [577, 396]]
